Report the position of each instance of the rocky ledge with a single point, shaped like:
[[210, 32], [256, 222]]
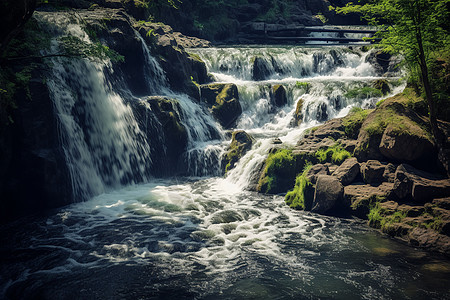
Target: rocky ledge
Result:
[[380, 165]]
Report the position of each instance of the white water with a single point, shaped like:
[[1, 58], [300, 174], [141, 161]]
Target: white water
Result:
[[204, 237]]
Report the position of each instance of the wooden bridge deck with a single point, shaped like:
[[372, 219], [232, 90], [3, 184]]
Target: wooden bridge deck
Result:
[[298, 33]]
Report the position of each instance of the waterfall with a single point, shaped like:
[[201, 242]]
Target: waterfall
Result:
[[320, 77]]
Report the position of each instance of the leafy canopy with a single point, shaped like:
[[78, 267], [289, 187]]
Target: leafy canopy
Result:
[[405, 25]]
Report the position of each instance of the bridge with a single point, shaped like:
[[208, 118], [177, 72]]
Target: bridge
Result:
[[277, 33]]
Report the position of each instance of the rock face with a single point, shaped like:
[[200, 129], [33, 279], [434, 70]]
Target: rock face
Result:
[[328, 192], [241, 142], [34, 174], [223, 102], [170, 132], [182, 70]]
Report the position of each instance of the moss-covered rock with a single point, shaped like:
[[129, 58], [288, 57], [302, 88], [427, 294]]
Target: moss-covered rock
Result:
[[389, 131], [223, 102], [301, 197], [298, 115], [281, 169], [241, 142], [425, 226]]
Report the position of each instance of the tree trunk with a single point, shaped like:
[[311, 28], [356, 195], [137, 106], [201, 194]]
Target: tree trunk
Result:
[[437, 134]]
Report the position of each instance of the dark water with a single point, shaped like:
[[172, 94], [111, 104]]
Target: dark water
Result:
[[207, 240]]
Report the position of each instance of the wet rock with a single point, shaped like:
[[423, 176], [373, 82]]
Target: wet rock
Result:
[[277, 141], [442, 203], [223, 102], [331, 129], [347, 171], [383, 62], [279, 97], [298, 115], [241, 142], [429, 238], [389, 172], [261, 69], [170, 133], [328, 192], [372, 171], [322, 112]]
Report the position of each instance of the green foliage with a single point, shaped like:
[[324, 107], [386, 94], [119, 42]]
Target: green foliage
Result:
[[363, 93], [380, 218], [303, 85], [296, 198], [321, 18], [335, 154], [353, 121], [417, 30], [74, 46]]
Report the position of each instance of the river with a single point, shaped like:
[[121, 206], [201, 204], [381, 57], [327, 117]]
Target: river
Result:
[[205, 236]]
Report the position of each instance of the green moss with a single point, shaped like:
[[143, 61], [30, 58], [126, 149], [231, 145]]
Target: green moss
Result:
[[363, 93], [195, 57], [353, 121], [335, 154], [296, 198], [382, 219]]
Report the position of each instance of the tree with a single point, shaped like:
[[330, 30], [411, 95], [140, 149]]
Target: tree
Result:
[[418, 30]]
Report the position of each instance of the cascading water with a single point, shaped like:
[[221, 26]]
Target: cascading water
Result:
[[205, 238]]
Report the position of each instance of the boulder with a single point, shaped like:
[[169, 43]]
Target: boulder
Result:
[[278, 94], [422, 186], [347, 171], [223, 102], [298, 115], [372, 171], [329, 191], [397, 146], [360, 197], [261, 69], [315, 171], [241, 142]]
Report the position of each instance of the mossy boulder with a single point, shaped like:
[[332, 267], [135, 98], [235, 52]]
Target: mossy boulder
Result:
[[241, 142], [301, 197], [281, 169], [279, 96], [389, 131], [222, 100]]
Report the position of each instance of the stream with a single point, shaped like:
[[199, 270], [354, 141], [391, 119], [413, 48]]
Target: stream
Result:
[[205, 235]]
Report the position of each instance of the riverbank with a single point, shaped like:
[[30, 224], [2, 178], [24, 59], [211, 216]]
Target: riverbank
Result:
[[380, 165]]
